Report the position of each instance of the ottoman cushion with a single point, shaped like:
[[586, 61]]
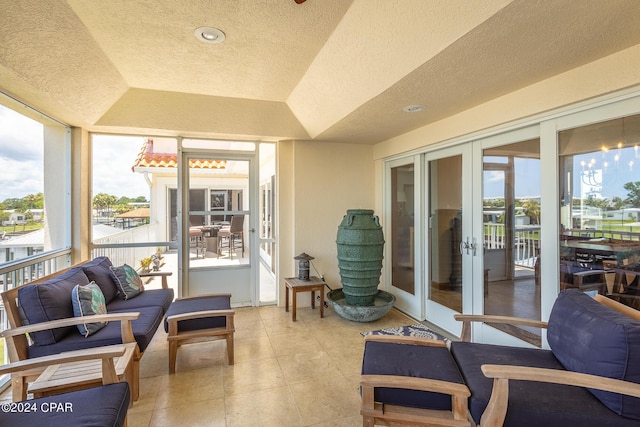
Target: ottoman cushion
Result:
[[198, 304]]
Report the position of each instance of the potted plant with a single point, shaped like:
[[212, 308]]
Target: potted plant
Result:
[[145, 263]]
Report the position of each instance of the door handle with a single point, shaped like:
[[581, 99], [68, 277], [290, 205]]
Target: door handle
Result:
[[468, 246]]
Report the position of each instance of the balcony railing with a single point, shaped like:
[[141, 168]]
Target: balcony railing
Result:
[[526, 242]]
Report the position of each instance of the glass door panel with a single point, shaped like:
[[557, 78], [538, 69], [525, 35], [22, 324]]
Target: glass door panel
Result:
[[511, 234], [218, 243], [600, 208], [446, 232], [402, 175], [450, 246]]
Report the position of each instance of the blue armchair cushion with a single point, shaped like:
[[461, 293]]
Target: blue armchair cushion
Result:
[[51, 300], [588, 337], [103, 406], [88, 300], [531, 404], [99, 270], [127, 280], [411, 361], [198, 304]]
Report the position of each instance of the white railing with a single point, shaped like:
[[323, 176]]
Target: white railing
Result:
[[25, 270], [127, 247], [526, 242]]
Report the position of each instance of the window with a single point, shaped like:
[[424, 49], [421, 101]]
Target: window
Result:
[[35, 174], [600, 208]]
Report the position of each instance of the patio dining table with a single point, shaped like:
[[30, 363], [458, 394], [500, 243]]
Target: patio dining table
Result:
[[599, 249]]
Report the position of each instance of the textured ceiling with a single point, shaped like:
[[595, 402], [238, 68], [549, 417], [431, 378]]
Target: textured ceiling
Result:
[[328, 70]]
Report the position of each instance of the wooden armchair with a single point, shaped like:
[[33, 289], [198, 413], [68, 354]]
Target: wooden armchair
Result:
[[17, 342], [107, 403], [496, 411], [378, 413], [551, 386]]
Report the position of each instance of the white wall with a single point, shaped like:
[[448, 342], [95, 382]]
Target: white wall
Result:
[[318, 182]]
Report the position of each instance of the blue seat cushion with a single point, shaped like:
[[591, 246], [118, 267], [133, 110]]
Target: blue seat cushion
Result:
[[51, 300], [410, 361], [589, 337], [144, 329], [104, 406], [198, 304], [98, 270], [149, 298], [531, 404]]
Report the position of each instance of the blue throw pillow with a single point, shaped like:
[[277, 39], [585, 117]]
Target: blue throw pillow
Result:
[[88, 300], [127, 281]]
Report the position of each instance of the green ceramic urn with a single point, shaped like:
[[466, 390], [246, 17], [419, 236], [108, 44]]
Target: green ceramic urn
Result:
[[360, 252]]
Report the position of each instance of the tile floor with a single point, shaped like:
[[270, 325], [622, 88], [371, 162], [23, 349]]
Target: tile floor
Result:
[[303, 373]]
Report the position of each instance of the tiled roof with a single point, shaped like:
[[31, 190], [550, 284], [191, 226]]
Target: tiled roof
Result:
[[150, 159], [135, 213]]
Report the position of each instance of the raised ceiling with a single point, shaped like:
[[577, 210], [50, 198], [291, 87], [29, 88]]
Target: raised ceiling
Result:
[[325, 70]]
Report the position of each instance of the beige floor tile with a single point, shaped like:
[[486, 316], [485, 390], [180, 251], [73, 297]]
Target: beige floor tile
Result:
[[272, 407], [154, 363], [347, 357], [199, 355], [284, 326], [253, 375], [326, 399], [257, 348], [139, 419], [190, 387], [302, 367], [294, 342], [149, 388], [206, 413], [342, 422]]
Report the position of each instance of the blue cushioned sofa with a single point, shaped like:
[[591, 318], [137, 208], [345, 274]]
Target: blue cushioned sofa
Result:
[[590, 376], [49, 300]]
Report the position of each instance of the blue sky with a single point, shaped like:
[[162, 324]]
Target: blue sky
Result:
[[21, 162]]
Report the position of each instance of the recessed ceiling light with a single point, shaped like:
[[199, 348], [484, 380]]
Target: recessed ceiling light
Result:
[[413, 108], [209, 35]]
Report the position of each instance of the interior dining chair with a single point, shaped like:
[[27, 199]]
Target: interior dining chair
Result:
[[232, 233]]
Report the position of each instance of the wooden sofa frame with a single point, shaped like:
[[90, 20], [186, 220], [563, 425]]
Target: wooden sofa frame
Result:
[[496, 410], [18, 343]]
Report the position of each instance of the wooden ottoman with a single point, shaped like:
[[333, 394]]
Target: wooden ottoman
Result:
[[203, 316]]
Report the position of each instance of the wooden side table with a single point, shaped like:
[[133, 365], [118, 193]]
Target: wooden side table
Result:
[[312, 285]]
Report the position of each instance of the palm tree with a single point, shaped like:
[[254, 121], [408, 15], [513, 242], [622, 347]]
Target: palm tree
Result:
[[532, 210]]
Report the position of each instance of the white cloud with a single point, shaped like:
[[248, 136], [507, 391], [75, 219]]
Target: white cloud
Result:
[[21, 149], [21, 160], [113, 157]]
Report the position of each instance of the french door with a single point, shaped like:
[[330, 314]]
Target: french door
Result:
[[451, 245], [482, 204]]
